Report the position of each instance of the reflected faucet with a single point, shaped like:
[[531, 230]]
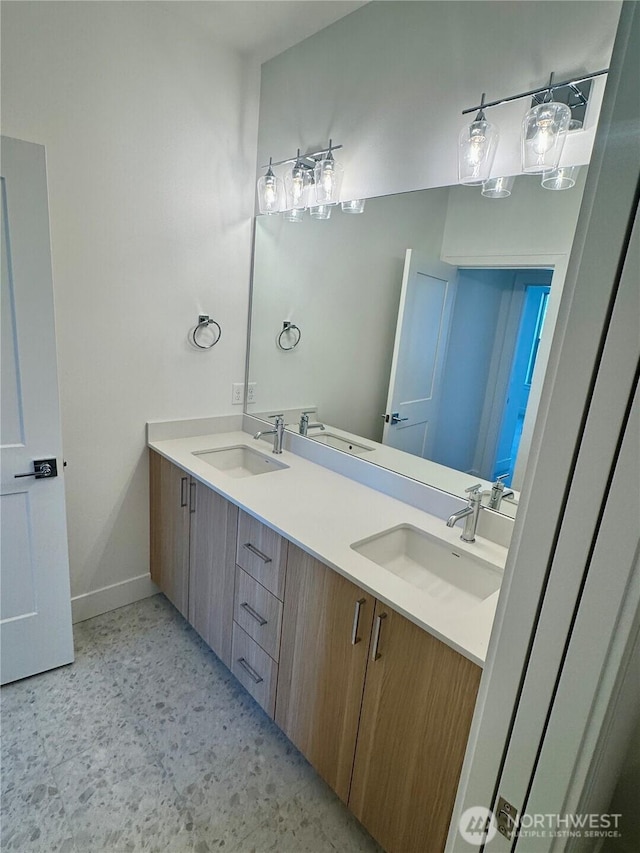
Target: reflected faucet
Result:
[[497, 492], [277, 433], [305, 426], [470, 514]]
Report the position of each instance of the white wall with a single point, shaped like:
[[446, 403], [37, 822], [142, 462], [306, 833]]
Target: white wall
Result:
[[150, 138], [389, 82]]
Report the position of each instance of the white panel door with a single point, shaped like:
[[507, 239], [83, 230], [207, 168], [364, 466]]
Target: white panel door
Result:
[[35, 600], [419, 351]]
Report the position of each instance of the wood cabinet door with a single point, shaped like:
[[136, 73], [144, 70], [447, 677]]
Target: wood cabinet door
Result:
[[169, 511], [418, 702], [326, 630], [214, 526]]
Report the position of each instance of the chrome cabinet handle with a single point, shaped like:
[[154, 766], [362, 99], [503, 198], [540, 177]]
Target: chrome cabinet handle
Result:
[[250, 671], [356, 619], [254, 613], [253, 550], [183, 491], [375, 655], [192, 497]]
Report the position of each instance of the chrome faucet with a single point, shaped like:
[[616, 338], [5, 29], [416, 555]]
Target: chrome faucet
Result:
[[470, 514], [277, 433], [305, 426], [497, 492]]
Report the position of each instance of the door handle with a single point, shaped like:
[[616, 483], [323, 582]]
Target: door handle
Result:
[[396, 419], [42, 469]]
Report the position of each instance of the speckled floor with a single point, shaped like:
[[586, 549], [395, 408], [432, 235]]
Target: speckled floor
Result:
[[147, 742]]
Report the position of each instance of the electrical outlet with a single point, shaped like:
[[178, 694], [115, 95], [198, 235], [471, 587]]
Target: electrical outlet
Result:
[[251, 392], [237, 394]]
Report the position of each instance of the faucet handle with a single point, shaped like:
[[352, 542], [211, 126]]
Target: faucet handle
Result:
[[501, 478], [309, 412], [473, 490], [281, 415]]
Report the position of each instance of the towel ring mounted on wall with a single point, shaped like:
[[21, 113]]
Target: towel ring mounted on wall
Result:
[[204, 321], [288, 328]]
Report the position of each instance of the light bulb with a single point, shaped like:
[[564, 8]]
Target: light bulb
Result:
[[544, 129], [328, 179], [269, 193], [478, 143]]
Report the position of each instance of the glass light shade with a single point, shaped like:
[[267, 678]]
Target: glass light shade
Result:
[[328, 180], [356, 205], [562, 178], [296, 187], [477, 147], [544, 130], [269, 193], [321, 211], [498, 187], [295, 214]]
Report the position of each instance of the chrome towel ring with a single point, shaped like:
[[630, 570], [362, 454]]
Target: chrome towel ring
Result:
[[204, 321], [292, 333]]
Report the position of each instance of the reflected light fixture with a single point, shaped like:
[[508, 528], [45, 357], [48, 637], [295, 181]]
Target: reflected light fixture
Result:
[[498, 187], [321, 211], [544, 130], [477, 147], [328, 178], [562, 178], [269, 192], [356, 205]]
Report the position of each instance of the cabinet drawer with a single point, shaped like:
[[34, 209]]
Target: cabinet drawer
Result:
[[262, 553], [254, 669], [258, 612]]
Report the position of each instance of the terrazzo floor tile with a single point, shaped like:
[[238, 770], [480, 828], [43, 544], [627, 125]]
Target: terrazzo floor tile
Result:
[[34, 819], [148, 743]]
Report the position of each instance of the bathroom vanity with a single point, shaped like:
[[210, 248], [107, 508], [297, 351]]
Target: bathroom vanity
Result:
[[358, 622]]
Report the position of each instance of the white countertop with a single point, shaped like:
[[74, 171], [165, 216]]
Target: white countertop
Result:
[[324, 513]]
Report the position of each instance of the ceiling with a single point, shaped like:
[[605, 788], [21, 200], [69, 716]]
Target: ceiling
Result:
[[262, 28]]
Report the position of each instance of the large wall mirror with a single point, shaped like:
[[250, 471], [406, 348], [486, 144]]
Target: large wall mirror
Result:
[[422, 328]]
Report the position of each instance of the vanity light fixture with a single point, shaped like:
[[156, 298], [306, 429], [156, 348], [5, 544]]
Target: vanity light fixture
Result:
[[312, 179], [296, 184], [321, 211], [295, 214], [328, 178], [477, 147], [269, 192], [544, 130]]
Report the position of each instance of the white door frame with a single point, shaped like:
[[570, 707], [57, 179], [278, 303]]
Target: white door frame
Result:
[[585, 324]]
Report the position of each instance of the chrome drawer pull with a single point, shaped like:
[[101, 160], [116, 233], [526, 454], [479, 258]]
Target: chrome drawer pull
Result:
[[183, 491], [253, 550], [192, 497], [259, 619], [376, 637], [356, 619], [250, 670]]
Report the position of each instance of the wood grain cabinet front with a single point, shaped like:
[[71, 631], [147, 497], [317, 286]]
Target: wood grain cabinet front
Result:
[[258, 612], [262, 553], [169, 540], [323, 657], [254, 669], [416, 712]]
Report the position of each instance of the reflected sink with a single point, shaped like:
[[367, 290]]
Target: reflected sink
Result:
[[442, 570], [239, 461], [339, 443]]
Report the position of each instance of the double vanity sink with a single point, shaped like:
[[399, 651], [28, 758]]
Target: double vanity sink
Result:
[[418, 558], [404, 556]]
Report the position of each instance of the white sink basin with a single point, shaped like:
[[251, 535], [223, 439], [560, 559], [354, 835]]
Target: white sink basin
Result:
[[239, 461], [442, 570], [340, 443]]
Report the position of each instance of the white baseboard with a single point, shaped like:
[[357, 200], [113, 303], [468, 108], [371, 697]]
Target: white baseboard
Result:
[[108, 598]]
